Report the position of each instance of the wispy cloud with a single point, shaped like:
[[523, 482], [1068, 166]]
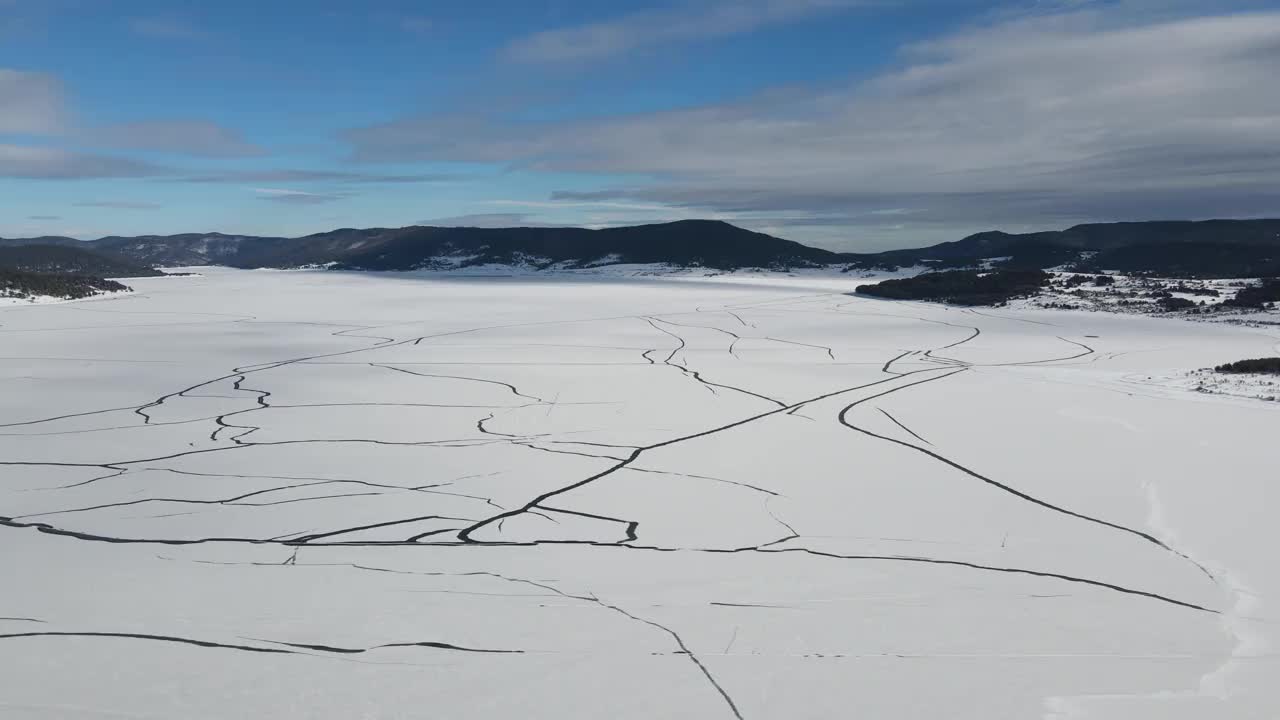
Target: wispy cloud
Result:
[[121, 204], [198, 138], [30, 102], [579, 200], [693, 21], [45, 163], [298, 197], [326, 176], [164, 28], [33, 103], [44, 218], [488, 220]]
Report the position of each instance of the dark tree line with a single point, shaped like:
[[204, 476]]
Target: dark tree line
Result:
[[17, 283], [962, 287], [1258, 365], [1257, 296]]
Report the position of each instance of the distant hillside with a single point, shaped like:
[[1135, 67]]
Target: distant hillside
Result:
[[1210, 248], [69, 259], [1213, 248], [42, 240], [706, 243], [188, 248]]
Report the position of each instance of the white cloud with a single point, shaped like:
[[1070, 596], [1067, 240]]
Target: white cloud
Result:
[[30, 103], [693, 21], [1035, 121]]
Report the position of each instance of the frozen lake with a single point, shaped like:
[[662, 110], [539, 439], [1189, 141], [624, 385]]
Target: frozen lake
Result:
[[322, 495]]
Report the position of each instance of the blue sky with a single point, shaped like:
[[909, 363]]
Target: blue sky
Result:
[[852, 124]]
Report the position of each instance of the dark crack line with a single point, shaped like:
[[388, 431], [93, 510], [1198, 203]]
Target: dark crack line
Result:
[[47, 529], [531, 446], [794, 534], [114, 428], [684, 649], [843, 418], [705, 477], [904, 427], [631, 525], [305, 539], [255, 649], [359, 651], [589, 444], [722, 331], [465, 535], [118, 473], [1010, 570], [591, 598], [830, 352], [697, 375], [67, 417], [431, 533], [159, 638], [894, 360], [679, 340], [544, 516], [1087, 351], [508, 386], [232, 502]]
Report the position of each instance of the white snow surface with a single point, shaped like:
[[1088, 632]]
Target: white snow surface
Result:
[[332, 495]]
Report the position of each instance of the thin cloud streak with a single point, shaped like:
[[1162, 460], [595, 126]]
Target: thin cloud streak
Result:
[[198, 138], [121, 204], [45, 163], [298, 197], [488, 220], [694, 21], [329, 176]]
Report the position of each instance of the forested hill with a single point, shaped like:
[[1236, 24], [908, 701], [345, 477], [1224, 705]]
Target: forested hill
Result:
[[1220, 248], [70, 259]]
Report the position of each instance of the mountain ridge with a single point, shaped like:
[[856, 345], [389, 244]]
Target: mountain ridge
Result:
[[1239, 248]]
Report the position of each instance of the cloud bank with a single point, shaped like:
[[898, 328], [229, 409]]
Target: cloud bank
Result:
[[1034, 121]]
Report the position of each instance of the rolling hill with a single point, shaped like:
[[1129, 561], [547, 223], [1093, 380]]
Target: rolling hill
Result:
[[1212, 248], [69, 259]]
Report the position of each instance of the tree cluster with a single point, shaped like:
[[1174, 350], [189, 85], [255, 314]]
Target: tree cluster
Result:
[[1256, 297], [20, 284], [962, 287], [1270, 366]]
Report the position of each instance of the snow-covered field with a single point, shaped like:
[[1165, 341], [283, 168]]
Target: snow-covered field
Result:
[[323, 495]]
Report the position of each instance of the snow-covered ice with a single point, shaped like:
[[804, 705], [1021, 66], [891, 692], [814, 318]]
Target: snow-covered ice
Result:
[[276, 494]]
